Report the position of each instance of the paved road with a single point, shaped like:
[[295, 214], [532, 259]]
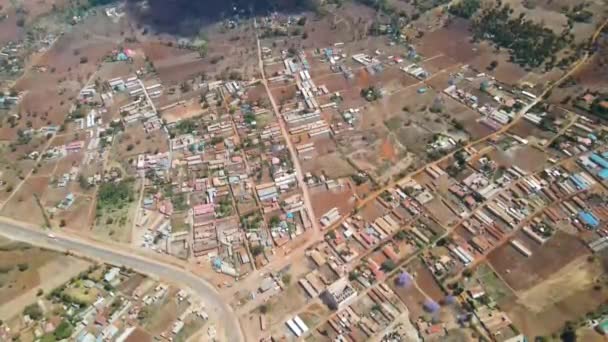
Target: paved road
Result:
[[152, 267]]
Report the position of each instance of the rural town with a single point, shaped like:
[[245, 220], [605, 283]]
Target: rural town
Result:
[[311, 170]]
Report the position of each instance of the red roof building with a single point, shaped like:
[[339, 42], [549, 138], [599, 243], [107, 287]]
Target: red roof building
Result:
[[390, 253], [203, 209]]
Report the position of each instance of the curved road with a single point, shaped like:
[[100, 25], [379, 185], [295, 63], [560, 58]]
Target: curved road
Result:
[[149, 266]]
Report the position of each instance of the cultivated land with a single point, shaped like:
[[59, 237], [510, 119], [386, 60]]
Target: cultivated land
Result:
[[362, 170]]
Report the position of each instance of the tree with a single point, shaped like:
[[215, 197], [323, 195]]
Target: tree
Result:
[[63, 330], [48, 338], [274, 221], [34, 311], [568, 333], [257, 250], [286, 278], [530, 43], [388, 265], [185, 87], [143, 313], [83, 182], [464, 8], [401, 235], [114, 194]]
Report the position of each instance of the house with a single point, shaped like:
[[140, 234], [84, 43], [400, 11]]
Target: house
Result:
[[602, 327], [476, 292], [340, 294], [166, 208], [267, 284], [203, 209], [111, 275], [390, 253], [588, 98], [74, 146]]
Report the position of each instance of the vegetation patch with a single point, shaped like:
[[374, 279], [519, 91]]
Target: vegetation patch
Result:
[[115, 195], [530, 44], [465, 8]]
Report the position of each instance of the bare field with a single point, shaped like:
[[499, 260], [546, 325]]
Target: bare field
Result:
[[522, 273], [182, 111], [453, 43], [411, 297], [79, 216], [528, 130], [332, 164], [526, 157], [232, 50], [323, 200], [565, 296], [25, 269], [23, 205], [426, 281], [135, 141], [590, 77], [67, 65]]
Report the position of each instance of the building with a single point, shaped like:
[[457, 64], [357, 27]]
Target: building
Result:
[[111, 275], [74, 146], [603, 174], [204, 209], [339, 294], [602, 327], [588, 219]]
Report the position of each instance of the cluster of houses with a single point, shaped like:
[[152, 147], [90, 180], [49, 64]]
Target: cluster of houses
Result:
[[490, 205], [98, 311]]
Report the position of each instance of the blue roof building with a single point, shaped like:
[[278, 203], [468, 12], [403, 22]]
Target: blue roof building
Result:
[[599, 160], [603, 175], [578, 182], [588, 219], [122, 57], [602, 328]]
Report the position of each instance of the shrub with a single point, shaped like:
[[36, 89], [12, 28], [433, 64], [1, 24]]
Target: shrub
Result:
[[33, 311]]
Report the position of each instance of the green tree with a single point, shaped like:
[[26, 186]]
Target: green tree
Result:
[[114, 194], [257, 250], [465, 8], [388, 265], [63, 330], [34, 311]]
